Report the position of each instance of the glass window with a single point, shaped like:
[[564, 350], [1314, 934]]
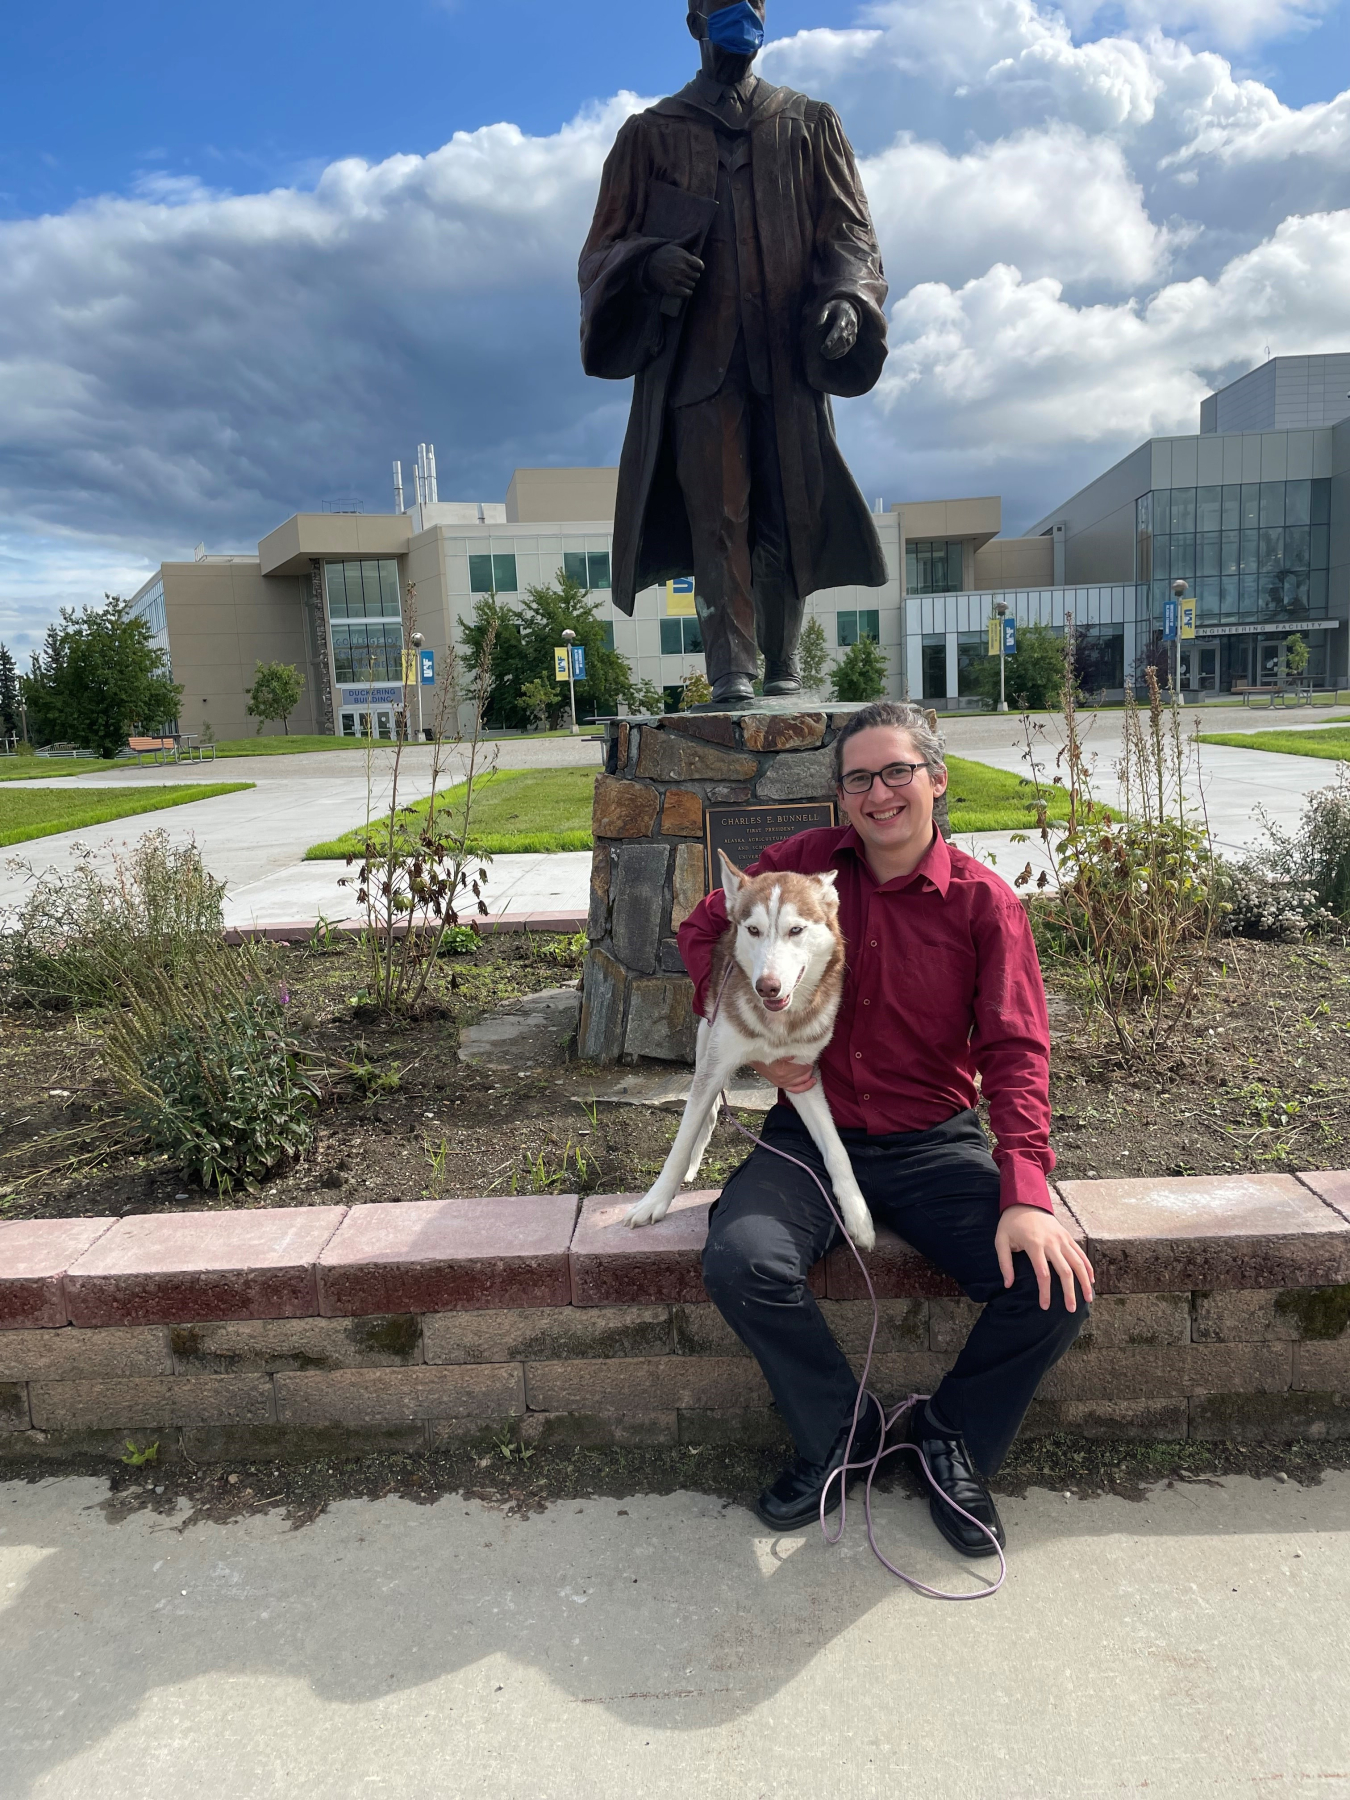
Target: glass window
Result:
[[1317, 593], [504, 574], [934, 668], [693, 637], [1271, 549], [1232, 509], [607, 633], [1143, 513], [336, 577], [933, 566], [1183, 558], [1297, 502], [1228, 553], [845, 629], [1249, 599], [1209, 509], [1321, 503], [574, 567], [1228, 596], [1183, 509], [1319, 547], [480, 574], [971, 650], [1162, 551], [1296, 546], [1247, 557], [1099, 652], [1251, 506], [672, 643], [598, 562], [1272, 503]]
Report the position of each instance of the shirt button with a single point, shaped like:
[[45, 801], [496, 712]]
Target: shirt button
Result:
[[867, 1002], [867, 1096], [874, 943], [858, 1054]]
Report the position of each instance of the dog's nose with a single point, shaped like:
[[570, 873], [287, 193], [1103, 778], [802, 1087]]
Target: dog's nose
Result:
[[768, 987]]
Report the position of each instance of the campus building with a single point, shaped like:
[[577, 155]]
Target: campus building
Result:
[[1253, 512]]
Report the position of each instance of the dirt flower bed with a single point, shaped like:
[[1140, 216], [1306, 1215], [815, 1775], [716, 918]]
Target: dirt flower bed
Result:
[[1255, 1080]]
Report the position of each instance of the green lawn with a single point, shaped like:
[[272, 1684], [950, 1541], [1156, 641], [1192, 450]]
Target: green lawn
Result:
[[41, 812], [1331, 743], [550, 809], [45, 768]]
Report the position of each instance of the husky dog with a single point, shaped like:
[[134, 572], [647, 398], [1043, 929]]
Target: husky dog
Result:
[[777, 978]]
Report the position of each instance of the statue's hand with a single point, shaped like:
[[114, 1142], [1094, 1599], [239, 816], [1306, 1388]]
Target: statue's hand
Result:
[[839, 321], [673, 270]]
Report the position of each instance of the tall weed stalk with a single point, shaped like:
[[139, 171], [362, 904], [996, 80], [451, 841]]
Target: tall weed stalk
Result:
[[1131, 901]]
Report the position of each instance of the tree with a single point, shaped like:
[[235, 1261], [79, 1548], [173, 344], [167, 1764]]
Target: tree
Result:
[[98, 678], [1296, 655], [523, 647], [540, 701], [1034, 678], [275, 694], [813, 653], [9, 695], [860, 673], [647, 699]]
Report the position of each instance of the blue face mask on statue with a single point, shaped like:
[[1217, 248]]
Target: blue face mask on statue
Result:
[[739, 30]]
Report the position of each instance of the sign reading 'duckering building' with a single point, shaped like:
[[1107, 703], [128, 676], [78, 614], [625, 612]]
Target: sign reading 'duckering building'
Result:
[[372, 696]]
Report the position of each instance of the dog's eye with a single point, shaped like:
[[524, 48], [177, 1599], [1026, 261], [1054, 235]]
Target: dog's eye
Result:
[[796, 931], [754, 930]]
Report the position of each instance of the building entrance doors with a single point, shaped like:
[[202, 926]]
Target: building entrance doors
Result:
[[1200, 667], [376, 724]]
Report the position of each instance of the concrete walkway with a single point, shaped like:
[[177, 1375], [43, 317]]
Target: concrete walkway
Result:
[[1195, 1644]]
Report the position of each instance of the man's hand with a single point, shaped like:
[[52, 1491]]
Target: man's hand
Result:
[[1051, 1249], [673, 270], [792, 1077], [839, 321]]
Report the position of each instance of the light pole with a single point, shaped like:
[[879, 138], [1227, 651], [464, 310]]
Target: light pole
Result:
[[1179, 590], [1002, 611], [570, 638], [417, 641]]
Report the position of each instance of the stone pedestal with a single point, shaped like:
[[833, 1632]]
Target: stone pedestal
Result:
[[649, 870]]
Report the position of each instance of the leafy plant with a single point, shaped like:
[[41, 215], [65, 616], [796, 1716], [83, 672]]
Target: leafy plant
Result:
[[98, 677], [1296, 883], [1034, 677], [695, 690], [460, 940], [137, 1459], [1296, 655], [813, 655], [90, 938], [860, 673], [438, 1155], [275, 694], [209, 1071], [1134, 897]]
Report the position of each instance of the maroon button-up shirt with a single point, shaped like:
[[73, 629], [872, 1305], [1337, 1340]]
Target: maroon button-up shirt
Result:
[[943, 985]]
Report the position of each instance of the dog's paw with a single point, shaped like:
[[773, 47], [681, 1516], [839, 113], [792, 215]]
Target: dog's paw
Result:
[[647, 1212], [858, 1222]]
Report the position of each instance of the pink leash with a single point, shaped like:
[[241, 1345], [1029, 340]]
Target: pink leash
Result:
[[888, 1421]]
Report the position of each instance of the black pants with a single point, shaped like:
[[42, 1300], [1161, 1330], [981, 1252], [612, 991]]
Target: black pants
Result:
[[940, 1190], [726, 462]]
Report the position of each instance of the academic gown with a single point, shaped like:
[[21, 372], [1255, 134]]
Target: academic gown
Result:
[[818, 244]]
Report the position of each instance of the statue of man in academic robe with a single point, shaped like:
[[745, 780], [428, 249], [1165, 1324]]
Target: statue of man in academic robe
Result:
[[732, 268]]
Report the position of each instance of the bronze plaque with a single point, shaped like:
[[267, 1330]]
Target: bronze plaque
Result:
[[743, 831]]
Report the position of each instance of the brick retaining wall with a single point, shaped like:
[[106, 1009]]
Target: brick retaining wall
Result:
[[1224, 1312]]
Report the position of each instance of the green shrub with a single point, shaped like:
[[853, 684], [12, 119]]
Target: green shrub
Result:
[[88, 938], [209, 1071], [860, 673], [1296, 884]]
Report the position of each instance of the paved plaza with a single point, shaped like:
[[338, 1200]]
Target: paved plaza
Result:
[[256, 841], [1193, 1643]]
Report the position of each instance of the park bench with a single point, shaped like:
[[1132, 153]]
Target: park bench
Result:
[[158, 749]]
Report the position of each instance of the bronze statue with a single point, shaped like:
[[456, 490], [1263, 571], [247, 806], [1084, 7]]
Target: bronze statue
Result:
[[733, 269]]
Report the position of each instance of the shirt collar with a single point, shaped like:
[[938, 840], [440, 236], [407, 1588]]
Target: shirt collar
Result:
[[717, 91], [935, 867]]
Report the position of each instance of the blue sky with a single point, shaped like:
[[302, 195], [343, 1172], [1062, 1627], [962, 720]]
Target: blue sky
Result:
[[249, 254]]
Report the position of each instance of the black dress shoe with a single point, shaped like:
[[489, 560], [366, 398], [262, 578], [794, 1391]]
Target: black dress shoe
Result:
[[794, 1499], [951, 1468], [731, 690], [782, 678]]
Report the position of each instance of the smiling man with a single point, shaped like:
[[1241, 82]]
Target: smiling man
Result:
[[733, 269], [943, 986]]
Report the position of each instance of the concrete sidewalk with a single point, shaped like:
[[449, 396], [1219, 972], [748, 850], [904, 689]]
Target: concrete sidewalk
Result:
[[1195, 1644]]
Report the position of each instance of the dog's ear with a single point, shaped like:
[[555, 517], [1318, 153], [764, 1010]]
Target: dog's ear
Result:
[[829, 892], [732, 877]]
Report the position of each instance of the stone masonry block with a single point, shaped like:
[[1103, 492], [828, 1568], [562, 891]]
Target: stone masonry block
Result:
[[1213, 1232], [712, 728], [681, 814], [805, 776], [661, 1022], [167, 1268], [691, 868], [623, 809], [547, 1334], [783, 731], [299, 1443], [1269, 1418], [663, 756], [73, 1355], [597, 918], [137, 1405], [34, 1256], [903, 1326], [895, 1378], [613, 1266], [1333, 1186], [14, 1406], [1168, 1371], [269, 1346], [898, 1272], [746, 1428], [603, 995], [1323, 1366], [601, 1431], [400, 1396], [640, 905], [1270, 1315], [1120, 1320], [641, 1385], [439, 1255], [950, 1323], [1161, 1421]]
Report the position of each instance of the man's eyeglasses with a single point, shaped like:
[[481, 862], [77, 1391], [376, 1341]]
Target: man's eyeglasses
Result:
[[895, 775]]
